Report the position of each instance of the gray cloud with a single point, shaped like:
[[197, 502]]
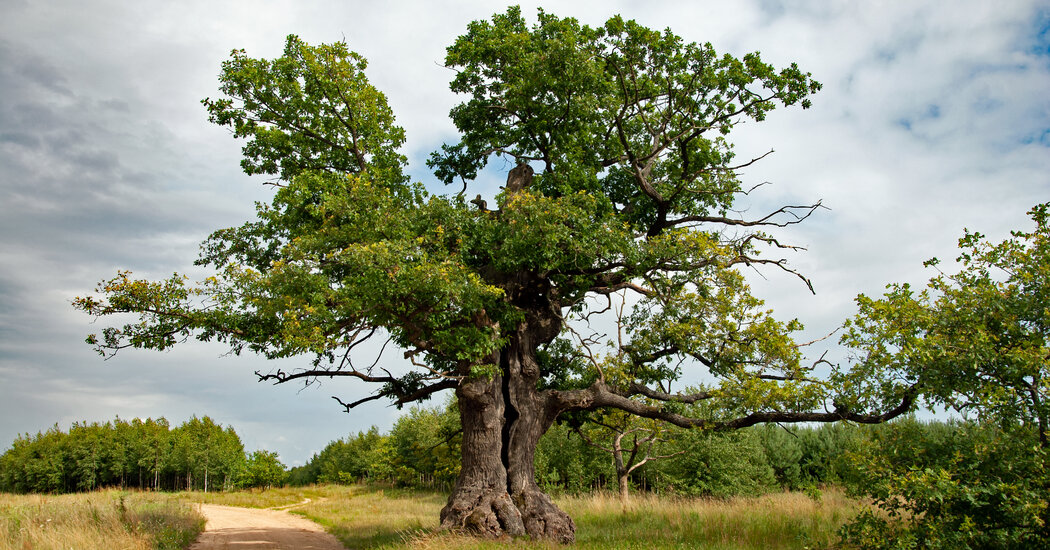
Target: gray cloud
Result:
[[933, 118]]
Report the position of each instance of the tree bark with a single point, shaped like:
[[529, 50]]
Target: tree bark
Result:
[[480, 503], [623, 471], [532, 415], [503, 418], [623, 480]]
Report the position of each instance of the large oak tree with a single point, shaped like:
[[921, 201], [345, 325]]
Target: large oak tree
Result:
[[621, 184]]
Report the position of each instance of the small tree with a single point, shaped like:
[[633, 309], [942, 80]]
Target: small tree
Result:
[[262, 469], [632, 442], [621, 180], [978, 342]]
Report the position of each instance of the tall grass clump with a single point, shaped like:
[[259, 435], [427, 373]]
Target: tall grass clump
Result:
[[106, 519]]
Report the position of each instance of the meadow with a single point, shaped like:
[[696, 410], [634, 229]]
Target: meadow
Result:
[[99, 519], [373, 517]]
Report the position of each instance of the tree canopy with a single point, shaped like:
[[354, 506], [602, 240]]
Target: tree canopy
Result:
[[621, 190], [977, 342]]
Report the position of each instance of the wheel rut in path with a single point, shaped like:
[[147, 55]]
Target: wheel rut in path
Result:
[[252, 528]]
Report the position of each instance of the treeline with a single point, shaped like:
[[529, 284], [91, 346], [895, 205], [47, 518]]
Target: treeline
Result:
[[422, 451], [145, 454]]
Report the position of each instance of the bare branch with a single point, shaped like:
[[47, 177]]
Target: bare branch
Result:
[[767, 220], [349, 406]]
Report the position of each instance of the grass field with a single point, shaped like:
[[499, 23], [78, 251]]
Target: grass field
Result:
[[384, 518], [377, 518], [103, 519]]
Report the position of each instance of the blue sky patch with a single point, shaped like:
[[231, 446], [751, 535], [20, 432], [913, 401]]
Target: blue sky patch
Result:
[[1040, 138], [1041, 41], [932, 112]]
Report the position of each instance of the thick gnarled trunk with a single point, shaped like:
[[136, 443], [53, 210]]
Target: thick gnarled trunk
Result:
[[480, 503], [532, 415], [503, 419]]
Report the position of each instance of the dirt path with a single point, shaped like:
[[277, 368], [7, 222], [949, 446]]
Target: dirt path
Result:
[[250, 528]]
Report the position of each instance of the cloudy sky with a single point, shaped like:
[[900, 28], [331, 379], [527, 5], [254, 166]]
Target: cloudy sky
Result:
[[934, 116]]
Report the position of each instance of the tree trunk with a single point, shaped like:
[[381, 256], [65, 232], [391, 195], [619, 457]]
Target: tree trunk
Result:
[[531, 417], [623, 471], [624, 481], [479, 503], [503, 419]]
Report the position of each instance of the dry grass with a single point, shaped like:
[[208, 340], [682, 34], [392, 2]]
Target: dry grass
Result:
[[370, 518], [377, 518], [257, 498], [776, 521], [106, 519]]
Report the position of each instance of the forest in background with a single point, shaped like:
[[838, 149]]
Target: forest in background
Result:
[[971, 480], [198, 454], [422, 451]]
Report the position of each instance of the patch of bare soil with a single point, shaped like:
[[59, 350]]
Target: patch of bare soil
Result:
[[250, 529]]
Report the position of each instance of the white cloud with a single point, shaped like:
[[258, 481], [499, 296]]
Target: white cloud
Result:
[[933, 117]]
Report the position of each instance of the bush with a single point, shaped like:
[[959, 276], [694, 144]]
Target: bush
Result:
[[720, 464], [958, 486]]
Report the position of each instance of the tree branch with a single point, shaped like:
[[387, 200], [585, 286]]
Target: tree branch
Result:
[[599, 395]]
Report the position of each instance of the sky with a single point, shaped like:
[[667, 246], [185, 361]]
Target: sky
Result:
[[934, 117]]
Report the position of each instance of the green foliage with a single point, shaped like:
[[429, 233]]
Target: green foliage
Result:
[[808, 457], [565, 462], [147, 454], [712, 463], [578, 99], [977, 342], [206, 452], [312, 109], [262, 469], [425, 447], [422, 450], [784, 452], [719, 464], [968, 486]]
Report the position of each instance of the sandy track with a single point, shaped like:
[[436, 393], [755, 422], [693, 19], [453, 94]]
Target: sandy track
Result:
[[250, 529]]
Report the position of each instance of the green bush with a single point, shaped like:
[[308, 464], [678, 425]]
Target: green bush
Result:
[[955, 486], [719, 464]]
